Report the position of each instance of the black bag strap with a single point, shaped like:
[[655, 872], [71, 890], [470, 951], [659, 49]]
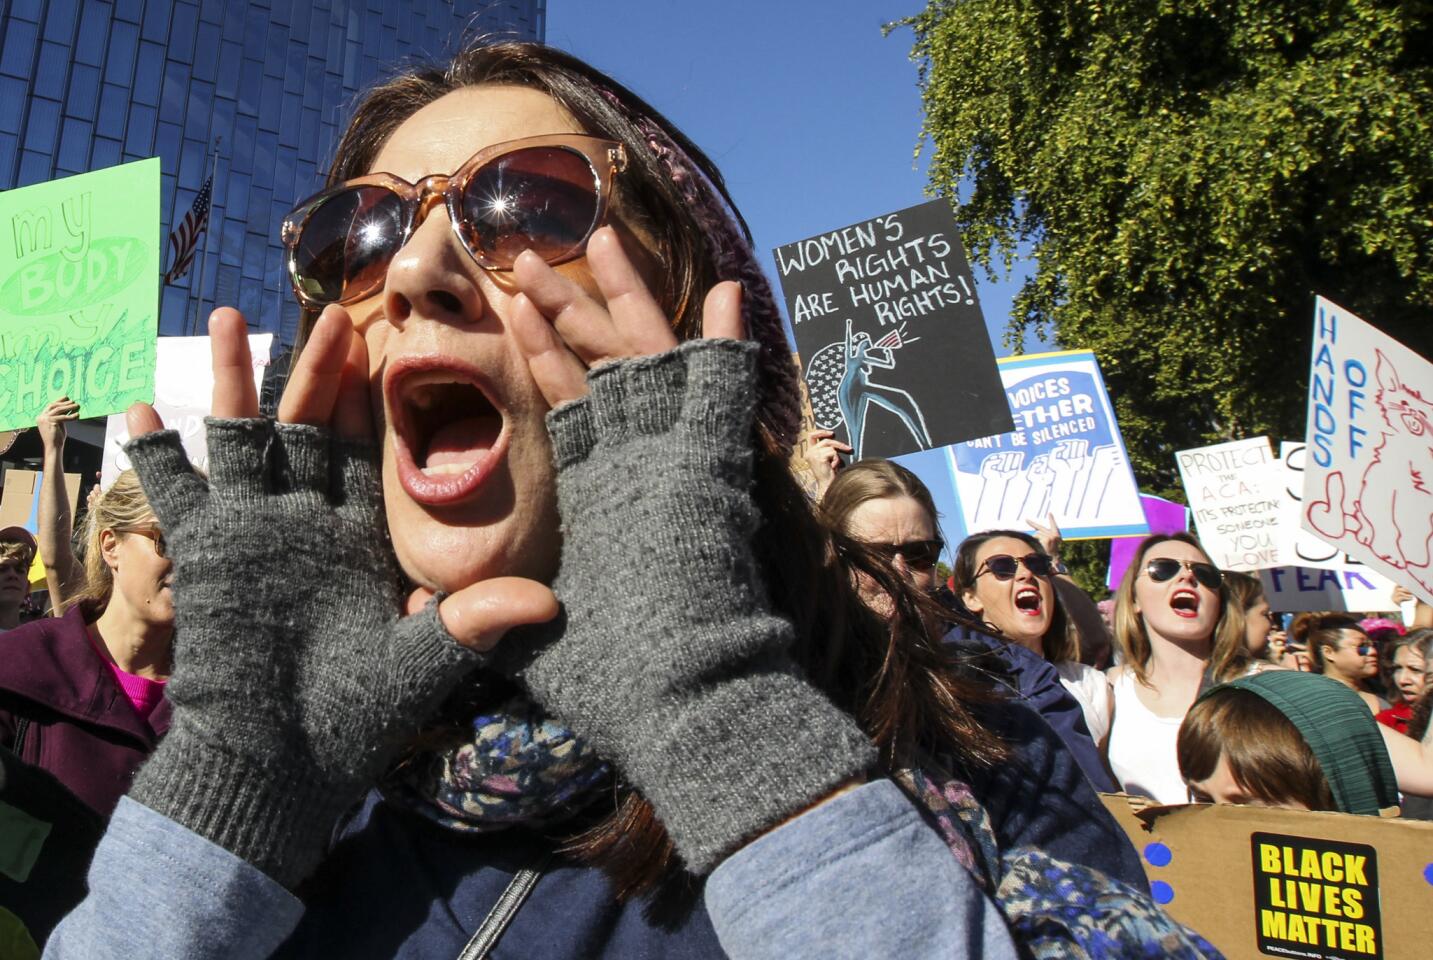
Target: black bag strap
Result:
[[502, 913]]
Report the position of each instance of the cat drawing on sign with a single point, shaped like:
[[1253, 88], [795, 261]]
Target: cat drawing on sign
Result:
[[1392, 514]]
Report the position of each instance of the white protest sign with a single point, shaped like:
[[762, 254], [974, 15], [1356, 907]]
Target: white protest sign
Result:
[[1368, 476], [1356, 589], [1065, 456], [1233, 491], [183, 388]]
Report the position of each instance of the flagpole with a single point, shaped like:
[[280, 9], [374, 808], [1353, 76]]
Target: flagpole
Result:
[[199, 299]]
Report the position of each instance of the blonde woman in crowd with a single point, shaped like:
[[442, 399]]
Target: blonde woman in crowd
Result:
[[1178, 631], [82, 694]]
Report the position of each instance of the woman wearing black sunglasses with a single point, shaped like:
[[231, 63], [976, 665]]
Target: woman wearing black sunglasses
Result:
[[1178, 632], [1007, 579], [516, 262]]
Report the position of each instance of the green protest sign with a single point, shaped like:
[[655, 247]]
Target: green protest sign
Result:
[[79, 292]]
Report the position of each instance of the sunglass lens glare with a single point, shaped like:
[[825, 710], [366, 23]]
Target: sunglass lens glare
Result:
[[542, 199], [347, 243], [1163, 569]]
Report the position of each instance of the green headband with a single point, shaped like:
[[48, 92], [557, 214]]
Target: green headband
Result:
[[1339, 729]]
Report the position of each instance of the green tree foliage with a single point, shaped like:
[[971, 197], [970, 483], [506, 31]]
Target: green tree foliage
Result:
[[1189, 174]]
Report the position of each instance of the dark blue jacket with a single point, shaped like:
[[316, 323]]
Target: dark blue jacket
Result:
[[397, 885], [1034, 679]]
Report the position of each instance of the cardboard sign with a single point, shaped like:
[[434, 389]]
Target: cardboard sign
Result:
[[1065, 456], [1266, 882], [885, 313], [1233, 490], [20, 507], [183, 390], [79, 292], [1367, 486], [1163, 516]]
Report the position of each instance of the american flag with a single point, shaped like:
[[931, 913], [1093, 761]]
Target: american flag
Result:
[[185, 238]]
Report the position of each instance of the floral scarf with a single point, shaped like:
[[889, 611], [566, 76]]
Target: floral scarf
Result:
[[517, 767], [1055, 909]]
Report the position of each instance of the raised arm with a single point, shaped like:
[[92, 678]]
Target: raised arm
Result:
[[63, 575], [1412, 762]]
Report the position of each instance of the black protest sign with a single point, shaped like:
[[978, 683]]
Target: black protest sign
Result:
[[1316, 899], [885, 313]]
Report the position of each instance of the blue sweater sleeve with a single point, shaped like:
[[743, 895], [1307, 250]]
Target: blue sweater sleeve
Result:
[[158, 890], [861, 875]]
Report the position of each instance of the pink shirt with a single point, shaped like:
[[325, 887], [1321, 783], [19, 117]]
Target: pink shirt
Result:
[[142, 692]]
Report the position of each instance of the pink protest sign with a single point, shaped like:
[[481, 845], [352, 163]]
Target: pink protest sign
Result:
[[1164, 516]]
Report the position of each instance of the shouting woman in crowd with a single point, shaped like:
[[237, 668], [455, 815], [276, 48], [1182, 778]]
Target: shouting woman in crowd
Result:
[[1178, 632], [542, 283], [1007, 579]]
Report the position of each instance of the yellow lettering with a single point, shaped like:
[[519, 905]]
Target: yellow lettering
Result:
[[1269, 857], [1345, 936], [1275, 893], [1353, 869], [1309, 866], [1332, 906], [1274, 924], [1310, 896], [1363, 939], [1353, 904], [1332, 866], [1297, 933]]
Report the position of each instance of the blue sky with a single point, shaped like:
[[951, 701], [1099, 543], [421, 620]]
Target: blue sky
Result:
[[812, 115]]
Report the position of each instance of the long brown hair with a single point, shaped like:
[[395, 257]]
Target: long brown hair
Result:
[[1227, 657], [1061, 641], [894, 678]]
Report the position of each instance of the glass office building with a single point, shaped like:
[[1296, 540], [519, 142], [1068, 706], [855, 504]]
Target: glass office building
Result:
[[254, 91]]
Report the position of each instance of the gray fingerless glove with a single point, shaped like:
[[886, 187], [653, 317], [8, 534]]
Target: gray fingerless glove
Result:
[[294, 677], [672, 661]]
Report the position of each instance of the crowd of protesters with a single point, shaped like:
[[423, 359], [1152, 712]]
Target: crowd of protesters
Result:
[[639, 694]]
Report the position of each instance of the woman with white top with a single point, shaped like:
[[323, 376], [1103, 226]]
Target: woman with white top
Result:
[[1178, 633]]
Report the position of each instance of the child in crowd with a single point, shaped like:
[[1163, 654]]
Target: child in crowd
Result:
[[1287, 739]]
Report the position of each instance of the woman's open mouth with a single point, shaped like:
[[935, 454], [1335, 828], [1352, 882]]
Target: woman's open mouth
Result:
[[448, 434], [1027, 601], [1185, 603]]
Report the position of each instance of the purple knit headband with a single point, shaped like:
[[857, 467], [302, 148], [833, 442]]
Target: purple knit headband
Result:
[[779, 392]]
